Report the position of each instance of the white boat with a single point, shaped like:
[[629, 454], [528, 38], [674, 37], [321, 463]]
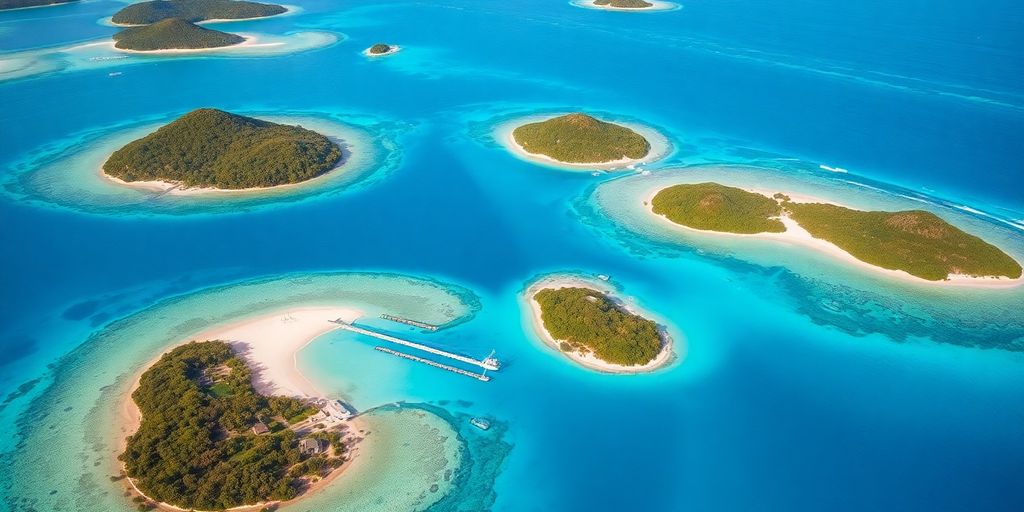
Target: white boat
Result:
[[480, 423], [603, 277], [833, 169]]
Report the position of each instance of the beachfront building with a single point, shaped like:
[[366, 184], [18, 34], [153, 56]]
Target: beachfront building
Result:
[[310, 446], [260, 428]]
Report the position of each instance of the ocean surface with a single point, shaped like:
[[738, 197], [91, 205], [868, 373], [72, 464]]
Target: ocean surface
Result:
[[801, 383]]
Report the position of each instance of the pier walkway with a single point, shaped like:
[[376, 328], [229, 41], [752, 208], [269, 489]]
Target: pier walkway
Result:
[[406, 321], [478, 376], [490, 363]]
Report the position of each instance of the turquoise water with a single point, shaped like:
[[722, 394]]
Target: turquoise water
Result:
[[801, 385]]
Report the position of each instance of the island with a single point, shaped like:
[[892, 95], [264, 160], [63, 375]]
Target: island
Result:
[[208, 440], [173, 34], [581, 139], [380, 49], [21, 4], [715, 207], [915, 242], [585, 322], [144, 13], [210, 148], [624, 4]]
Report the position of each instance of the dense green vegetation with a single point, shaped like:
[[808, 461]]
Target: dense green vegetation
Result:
[[144, 13], [917, 242], [585, 319], [716, 207], [579, 138], [212, 148], [173, 34], [380, 48], [624, 4], [18, 4], [194, 448]]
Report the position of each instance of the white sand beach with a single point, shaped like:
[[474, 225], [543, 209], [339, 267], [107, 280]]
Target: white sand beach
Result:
[[250, 41], [588, 360], [798, 236], [659, 146]]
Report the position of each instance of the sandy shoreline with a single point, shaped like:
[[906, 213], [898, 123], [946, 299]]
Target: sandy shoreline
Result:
[[797, 235], [663, 359], [251, 41], [659, 146], [269, 344], [656, 5], [289, 10]]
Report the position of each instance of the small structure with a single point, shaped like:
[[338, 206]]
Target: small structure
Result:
[[310, 446], [260, 428]]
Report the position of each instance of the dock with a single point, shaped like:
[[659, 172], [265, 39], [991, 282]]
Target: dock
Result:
[[406, 321], [478, 376], [489, 363]]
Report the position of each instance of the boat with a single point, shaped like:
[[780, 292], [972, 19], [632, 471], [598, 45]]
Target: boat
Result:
[[645, 172], [595, 173], [115, 73], [603, 277], [480, 423], [833, 169]]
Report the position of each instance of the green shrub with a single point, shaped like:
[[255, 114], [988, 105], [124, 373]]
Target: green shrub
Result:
[[579, 138]]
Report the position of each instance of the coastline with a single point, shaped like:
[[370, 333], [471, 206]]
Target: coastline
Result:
[[556, 281], [251, 41], [796, 235], [660, 147], [289, 10], [269, 344]]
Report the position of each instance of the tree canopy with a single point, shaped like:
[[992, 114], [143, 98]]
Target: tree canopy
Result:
[[144, 13], [194, 447], [588, 320], [380, 48], [579, 138], [213, 148], [19, 4], [915, 241], [715, 207], [624, 4], [173, 34]]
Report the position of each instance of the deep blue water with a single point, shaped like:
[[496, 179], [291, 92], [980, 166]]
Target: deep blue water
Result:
[[772, 410]]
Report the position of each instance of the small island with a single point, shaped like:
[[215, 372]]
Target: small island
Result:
[[915, 242], [144, 13], [581, 139], [208, 440], [173, 34], [381, 49], [715, 207], [215, 149], [590, 326], [624, 4], [22, 4]]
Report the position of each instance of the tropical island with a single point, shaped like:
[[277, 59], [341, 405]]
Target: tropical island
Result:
[[21, 4], [210, 148], [714, 207], [915, 242], [581, 139], [144, 13], [173, 34], [588, 324], [380, 49], [624, 4], [208, 440]]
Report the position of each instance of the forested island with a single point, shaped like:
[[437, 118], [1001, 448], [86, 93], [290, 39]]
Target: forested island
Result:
[[581, 139], [379, 49], [173, 34], [207, 440], [715, 207], [144, 13], [213, 148], [917, 242], [587, 321], [624, 4], [21, 4]]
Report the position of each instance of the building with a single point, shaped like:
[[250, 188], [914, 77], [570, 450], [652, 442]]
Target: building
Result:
[[260, 428], [310, 446]]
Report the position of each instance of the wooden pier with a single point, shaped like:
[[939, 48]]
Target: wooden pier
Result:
[[406, 321], [478, 376], [490, 363]]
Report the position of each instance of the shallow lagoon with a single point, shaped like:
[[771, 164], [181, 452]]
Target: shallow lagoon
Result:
[[781, 403]]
